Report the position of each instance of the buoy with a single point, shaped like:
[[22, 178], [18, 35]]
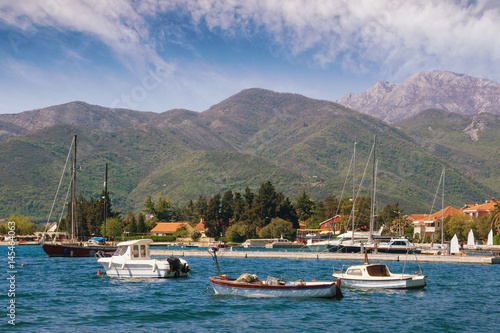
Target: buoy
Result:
[[22, 264], [98, 272]]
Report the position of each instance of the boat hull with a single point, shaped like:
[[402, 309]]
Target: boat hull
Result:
[[409, 282], [258, 289], [74, 250]]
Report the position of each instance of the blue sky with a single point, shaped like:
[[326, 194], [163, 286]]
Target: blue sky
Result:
[[160, 55]]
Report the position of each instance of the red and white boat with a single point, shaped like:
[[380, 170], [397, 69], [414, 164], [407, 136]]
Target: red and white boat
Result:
[[249, 285]]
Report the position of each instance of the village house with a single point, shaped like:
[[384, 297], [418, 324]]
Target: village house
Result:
[[168, 229], [479, 210], [330, 224], [426, 225]]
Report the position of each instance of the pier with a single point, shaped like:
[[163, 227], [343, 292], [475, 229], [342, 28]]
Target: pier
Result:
[[331, 256]]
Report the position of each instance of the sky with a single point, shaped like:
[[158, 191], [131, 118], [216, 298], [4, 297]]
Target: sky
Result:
[[191, 54]]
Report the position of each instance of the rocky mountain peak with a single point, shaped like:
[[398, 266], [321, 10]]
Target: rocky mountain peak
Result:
[[442, 90]]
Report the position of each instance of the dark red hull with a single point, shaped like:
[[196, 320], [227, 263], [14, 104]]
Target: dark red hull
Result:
[[74, 250]]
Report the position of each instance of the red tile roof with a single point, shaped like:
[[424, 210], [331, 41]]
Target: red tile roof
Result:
[[447, 212], [168, 228], [488, 206], [200, 226]]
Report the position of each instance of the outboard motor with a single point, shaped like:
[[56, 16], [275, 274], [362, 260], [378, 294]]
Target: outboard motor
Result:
[[175, 265]]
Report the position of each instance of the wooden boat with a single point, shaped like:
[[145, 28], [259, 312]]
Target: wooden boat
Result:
[[378, 276], [76, 250], [250, 286], [132, 259], [275, 288]]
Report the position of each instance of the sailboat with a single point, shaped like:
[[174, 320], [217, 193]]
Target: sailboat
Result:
[[73, 248]]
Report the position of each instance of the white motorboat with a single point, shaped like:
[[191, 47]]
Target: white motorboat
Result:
[[378, 276], [283, 243], [395, 245], [132, 259], [344, 242]]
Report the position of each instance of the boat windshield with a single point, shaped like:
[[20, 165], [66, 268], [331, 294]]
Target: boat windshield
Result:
[[120, 251], [378, 270]]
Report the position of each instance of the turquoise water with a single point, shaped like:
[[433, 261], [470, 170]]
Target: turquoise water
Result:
[[66, 295]]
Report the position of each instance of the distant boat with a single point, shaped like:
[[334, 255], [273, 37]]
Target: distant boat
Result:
[[395, 246], [255, 243], [378, 276], [490, 238], [470, 238], [73, 248], [132, 259], [283, 243], [454, 245]]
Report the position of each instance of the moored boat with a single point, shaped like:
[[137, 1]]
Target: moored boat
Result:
[[132, 259], [73, 248], [396, 245], [273, 287], [76, 250], [378, 276], [249, 285]]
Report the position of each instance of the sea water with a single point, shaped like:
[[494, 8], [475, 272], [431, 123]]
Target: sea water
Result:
[[67, 295]]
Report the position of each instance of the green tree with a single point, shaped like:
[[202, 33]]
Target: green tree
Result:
[[239, 206], [239, 231], [277, 228], [141, 225], [130, 223], [212, 216], [286, 210], [164, 211], [149, 206], [114, 227], [331, 206], [389, 217], [227, 210], [460, 225], [495, 218], [264, 207], [304, 206], [23, 225], [195, 235]]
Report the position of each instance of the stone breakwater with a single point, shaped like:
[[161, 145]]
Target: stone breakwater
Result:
[[330, 256]]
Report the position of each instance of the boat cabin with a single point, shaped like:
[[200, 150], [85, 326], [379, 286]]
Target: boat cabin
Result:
[[399, 242], [134, 249], [368, 270]]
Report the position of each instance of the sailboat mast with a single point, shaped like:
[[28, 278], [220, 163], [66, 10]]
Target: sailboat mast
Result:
[[353, 190], [372, 208], [442, 211], [105, 198], [73, 194]]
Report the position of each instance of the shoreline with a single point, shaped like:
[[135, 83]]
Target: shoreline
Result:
[[332, 256]]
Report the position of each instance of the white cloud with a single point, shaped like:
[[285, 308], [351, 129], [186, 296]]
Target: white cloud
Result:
[[394, 37], [391, 36]]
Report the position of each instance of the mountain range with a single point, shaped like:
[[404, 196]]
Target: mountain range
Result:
[[441, 90], [297, 143]]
